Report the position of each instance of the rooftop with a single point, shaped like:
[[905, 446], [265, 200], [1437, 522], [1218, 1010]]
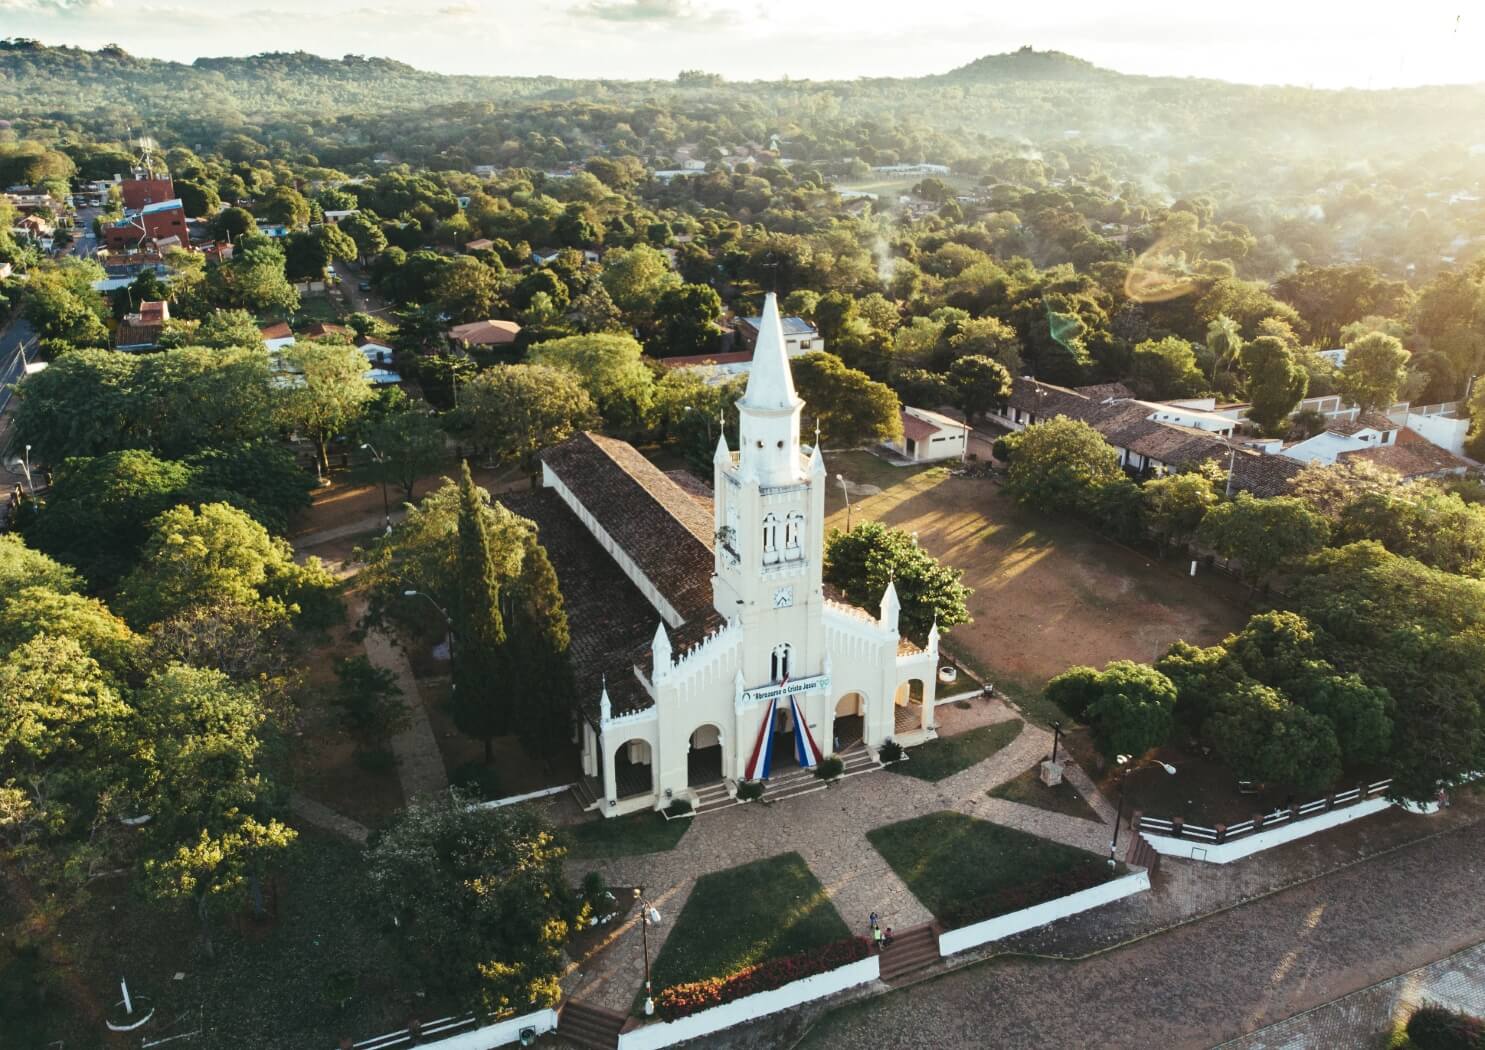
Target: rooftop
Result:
[[791, 325], [486, 333], [1411, 459], [170, 205]]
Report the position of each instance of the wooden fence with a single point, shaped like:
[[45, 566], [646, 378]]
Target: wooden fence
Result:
[[1177, 827]]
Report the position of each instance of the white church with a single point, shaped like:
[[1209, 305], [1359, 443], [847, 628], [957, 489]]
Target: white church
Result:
[[706, 646]]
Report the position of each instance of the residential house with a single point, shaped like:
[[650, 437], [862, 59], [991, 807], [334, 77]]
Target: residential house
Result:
[[1361, 430], [380, 357], [152, 223], [930, 436], [480, 244], [483, 334], [142, 330], [277, 336], [800, 337], [333, 217]]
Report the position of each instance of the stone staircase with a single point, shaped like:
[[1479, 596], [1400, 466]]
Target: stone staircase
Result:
[[911, 950], [589, 1026], [855, 759], [588, 792]]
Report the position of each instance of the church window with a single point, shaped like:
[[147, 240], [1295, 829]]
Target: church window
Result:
[[779, 666], [770, 538], [793, 531]]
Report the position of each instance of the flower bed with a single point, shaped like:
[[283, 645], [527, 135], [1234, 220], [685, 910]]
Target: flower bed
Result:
[[682, 1000], [1027, 894]]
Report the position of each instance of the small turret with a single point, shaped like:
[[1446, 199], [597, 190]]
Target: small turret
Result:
[[660, 653], [723, 454], [891, 608], [605, 707]]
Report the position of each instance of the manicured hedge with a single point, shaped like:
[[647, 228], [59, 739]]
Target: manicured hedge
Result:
[[1026, 894], [682, 1000]]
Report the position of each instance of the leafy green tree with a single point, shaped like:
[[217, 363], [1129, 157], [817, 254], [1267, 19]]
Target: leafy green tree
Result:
[[1224, 344], [1420, 521], [196, 397], [984, 337], [1166, 368], [982, 383], [1129, 708], [81, 405], [468, 290], [1276, 381], [850, 407], [692, 412], [481, 902], [367, 234], [610, 368], [1074, 690], [61, 722], [478, 625], [369, 701], [261, 477], [515, 411], [1263, 535], [204, 785], [1174, 505], [216, 555], [36, 611], [218, 329], [1265, 738], [253, 279], [22, 567], [686, 321], [332, 394], [285, 205], [410, 443], [231, 223], [539, 680], [636, 278], [863, 561], [97, 515], [1375, 368], [1060, 464]]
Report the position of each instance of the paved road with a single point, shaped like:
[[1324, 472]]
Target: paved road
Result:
[[1212, 980]]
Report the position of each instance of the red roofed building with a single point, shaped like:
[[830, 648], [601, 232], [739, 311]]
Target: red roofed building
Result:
[[930, 436], [140, 193], [154, 222], [484, 333]]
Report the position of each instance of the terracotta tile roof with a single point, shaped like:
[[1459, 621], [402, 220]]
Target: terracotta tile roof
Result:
[[281, 330], [666, 532], [1262, 475], [1045, 400], [692, 486], [320, 328], [1410, 459], [609, 619], [1363, 421], [732, 358], [917, 429], [1102, 391], [486, 333]]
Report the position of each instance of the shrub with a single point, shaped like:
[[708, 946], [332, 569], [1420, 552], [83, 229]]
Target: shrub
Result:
[[679, 808], [477, 779], [1434, 1027], [596, 895], [830, 768], [748, 790], [682, 1000], [1025, 895], [890, 751]]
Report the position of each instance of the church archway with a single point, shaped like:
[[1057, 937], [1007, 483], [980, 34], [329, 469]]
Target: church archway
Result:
[[848, 727], [634, 769], [907, 710], [704, 762]]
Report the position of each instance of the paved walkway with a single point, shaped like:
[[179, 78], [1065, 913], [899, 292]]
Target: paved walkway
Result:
[[1457, 982], [828, 828], [326, 819], [420, 765], [1203, 982]]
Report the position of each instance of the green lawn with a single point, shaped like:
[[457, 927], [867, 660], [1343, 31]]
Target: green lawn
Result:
[[637, 833], [952, 754], [1029, 790], [948, 858], [746, 915]]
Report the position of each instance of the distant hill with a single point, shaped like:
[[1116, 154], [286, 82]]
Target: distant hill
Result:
[[1027, 63]]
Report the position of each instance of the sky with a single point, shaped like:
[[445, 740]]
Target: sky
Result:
[[1320, 43]]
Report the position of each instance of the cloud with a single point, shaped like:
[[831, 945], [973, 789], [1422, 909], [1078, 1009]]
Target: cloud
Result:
[[680, 13], [54, 7]]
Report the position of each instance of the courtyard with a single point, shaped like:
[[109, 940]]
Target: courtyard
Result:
[[1048, 593]]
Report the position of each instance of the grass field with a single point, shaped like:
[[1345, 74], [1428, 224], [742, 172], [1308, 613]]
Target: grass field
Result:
[[1049, 593], [948, 755], [947, 858], [743, 916], [637, 833], [1028, 789]]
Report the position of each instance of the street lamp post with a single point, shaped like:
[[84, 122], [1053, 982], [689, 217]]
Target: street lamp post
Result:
[[1127, 769], [448, 623], [381, 461], [1056, 736], [846, 493], [648, 916], [30, 486]]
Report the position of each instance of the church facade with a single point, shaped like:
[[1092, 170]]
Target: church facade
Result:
[[750, 663]]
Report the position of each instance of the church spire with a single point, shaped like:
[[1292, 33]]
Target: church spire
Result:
[[769, 383]]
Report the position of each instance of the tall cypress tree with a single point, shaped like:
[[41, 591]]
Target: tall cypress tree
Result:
[[479, 629], [538, 669]]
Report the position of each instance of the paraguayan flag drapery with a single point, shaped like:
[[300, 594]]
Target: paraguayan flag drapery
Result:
[[762, 760]]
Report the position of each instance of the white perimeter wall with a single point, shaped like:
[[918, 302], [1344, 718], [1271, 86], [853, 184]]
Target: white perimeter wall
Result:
[[1237, 849], [751, 1007], [1002, 926], [501, 1033]]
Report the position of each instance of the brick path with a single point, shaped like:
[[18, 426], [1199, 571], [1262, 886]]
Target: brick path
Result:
[[420, 765], [1457, 982], [325, 818], [828, 828]]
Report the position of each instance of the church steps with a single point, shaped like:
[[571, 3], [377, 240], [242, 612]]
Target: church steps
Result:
[[854, 760], [911, 950], [590, 1026]]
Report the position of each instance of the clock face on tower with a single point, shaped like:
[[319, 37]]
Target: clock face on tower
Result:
[[783, 597]]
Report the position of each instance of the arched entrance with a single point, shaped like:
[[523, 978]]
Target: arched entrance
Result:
[[849, 725], [907, 710], [634, 769], [704, 759]]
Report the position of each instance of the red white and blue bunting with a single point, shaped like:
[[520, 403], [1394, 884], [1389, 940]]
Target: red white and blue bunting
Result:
[[762, 760], [806, 751]]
